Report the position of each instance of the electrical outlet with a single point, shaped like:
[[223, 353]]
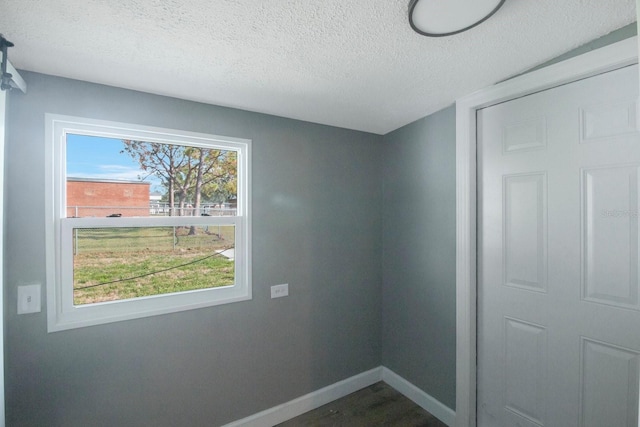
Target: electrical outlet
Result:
[[29, 299], [278, 291]]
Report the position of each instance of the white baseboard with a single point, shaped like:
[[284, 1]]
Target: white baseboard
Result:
[[286, 411], [422, 399], [308, 402]]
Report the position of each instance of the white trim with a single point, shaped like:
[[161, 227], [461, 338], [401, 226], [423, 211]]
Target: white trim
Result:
[[16, 79], [293, 408], [419, 397], [61, 313], [608, 58], [308, 402]]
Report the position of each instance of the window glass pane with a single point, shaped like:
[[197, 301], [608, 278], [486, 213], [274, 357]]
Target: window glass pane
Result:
[[108, 177], [111, 264]]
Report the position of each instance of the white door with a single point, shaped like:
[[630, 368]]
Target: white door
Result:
[[558, 256]]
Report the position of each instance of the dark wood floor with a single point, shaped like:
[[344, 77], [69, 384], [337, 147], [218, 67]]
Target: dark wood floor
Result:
[[377, 405]]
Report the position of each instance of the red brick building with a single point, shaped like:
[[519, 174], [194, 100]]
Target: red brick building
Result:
[[100, 198]]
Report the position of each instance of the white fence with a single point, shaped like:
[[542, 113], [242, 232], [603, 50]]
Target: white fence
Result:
[[163, 209], [154, 209]]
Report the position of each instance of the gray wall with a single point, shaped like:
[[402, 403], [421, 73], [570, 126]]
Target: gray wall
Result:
[[419, 317], [316, 225]]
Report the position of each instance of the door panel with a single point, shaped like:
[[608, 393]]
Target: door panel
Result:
[[610, 235], [558, 259], [525, 359], [525, 263], [609, 386]]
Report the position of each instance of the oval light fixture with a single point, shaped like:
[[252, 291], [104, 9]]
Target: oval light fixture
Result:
[[439, 18]]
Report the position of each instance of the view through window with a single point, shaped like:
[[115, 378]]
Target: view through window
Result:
[[119, 178]]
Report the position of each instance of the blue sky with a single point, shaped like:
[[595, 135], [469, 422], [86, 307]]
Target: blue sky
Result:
[[97, 157]]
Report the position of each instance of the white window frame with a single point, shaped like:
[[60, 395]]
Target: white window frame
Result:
[[62, 314]]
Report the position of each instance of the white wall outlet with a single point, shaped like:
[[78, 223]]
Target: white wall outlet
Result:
[[278, 291], [29, 299]]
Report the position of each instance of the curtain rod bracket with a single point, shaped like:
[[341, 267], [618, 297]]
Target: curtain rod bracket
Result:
[[6, 78]]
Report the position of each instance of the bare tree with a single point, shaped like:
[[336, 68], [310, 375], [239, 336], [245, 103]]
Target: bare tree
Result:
[[187, 171], [161, 160]]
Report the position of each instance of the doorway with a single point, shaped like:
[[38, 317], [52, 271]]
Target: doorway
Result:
[[613, 57], [558, 307]]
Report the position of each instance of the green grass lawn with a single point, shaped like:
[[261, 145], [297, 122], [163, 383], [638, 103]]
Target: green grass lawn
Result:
[[117, 254]]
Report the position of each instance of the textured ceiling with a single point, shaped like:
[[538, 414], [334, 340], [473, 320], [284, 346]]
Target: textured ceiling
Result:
[[350, 63]]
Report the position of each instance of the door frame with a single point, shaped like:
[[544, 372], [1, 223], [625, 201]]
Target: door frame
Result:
[[608, 58]]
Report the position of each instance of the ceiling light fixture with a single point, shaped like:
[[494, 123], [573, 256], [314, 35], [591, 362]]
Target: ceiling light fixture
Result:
[[438, 18]]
